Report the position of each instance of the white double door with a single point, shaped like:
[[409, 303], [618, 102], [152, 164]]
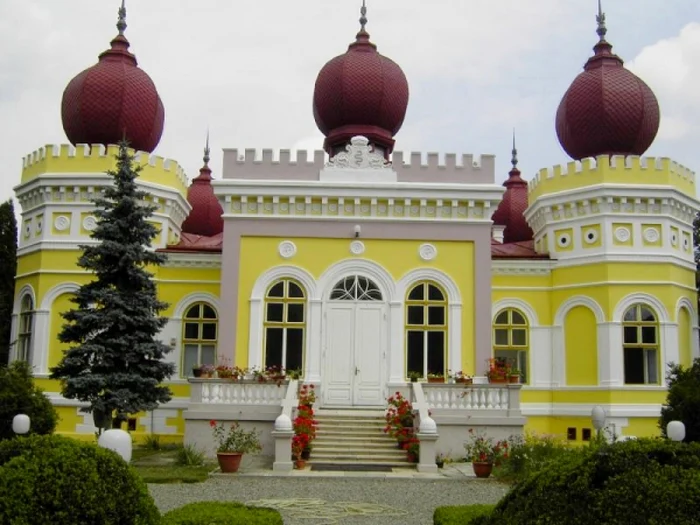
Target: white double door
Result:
[[354, 353]]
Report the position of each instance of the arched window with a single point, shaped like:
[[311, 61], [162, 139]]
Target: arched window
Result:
[[26, 324], [199, 336], [640, 345], [426, 330], [511, 339], [285, 321], [356, 288]]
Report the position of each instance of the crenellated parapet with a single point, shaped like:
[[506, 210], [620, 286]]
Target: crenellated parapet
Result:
[[96, 159], [616, 170], [268, 164]]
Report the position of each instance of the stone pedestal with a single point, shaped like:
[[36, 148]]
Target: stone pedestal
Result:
[[426, 461], [283, 450]]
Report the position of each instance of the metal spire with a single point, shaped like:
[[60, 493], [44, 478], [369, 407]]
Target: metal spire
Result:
[[121, 23], [514, 153], [600, 18], [363, 17], [206, 150]]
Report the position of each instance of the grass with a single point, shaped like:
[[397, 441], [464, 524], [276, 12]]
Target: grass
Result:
[[160, 466]]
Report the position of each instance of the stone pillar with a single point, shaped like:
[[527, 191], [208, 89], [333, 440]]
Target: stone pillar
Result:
[[428, 436], [282, 435]]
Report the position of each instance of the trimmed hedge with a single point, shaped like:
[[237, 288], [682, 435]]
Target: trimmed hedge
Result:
[[636, 482], [213, 513], [460, 514], [57, 480]]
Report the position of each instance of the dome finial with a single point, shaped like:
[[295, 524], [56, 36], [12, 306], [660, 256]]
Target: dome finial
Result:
[[600, 18], [121, 23], [206, 150], [363, 16], [514, 153]]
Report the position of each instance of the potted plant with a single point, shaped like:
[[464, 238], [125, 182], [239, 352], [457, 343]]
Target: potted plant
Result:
[[514, 376], [461, 377], [197, 370], [233, 444], [438, 377], [413, 377], [224, 369], [483, 453], [208, 371], [440, 460], [498, 370]]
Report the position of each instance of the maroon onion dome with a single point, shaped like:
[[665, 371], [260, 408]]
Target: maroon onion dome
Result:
[[511, 211], [205, 217], [114, 100], [608, 110], [360, 93]]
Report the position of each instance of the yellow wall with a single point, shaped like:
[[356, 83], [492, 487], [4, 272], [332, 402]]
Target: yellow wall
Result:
[[259, 255], [580, 334]]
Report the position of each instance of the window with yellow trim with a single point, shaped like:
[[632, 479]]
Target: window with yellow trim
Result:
[[25, 328], [426, 330], [640, 344], [199, 337], [285, 324], [511, 336]]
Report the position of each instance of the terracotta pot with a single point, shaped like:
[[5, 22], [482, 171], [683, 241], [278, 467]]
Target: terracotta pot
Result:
[[300, 464], [229, 461], [482, 470], [306, 453], [412, 458], [515, 378], [498, 380], [436, 380]]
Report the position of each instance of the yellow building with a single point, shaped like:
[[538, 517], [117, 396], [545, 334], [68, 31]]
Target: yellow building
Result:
[[362, 266]]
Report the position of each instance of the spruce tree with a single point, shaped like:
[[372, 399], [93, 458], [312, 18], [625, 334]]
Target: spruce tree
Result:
[[8, 270], [115, 361]]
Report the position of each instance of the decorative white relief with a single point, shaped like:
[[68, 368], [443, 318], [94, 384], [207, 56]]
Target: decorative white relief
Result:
[[427, 252], [359, 155], [564, 240], [357, 247], [89, 223], [651, 235], [674, 239], [39, 225], [27, 230], [61, 223], [622, 234], [590, 236], [287, 249], [686, 243]]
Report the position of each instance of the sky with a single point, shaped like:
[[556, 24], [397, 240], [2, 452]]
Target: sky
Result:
[[477, 69]]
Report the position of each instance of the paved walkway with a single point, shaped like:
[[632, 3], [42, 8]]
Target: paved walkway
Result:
[[401, 497]]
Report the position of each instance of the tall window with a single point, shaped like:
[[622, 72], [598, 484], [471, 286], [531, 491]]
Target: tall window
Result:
[[511, 339], [426, 330], [199, 335], [285, 321], [26, 324], [640, 346]]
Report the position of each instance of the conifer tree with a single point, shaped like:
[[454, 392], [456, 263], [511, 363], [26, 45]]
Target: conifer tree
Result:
[[8, 270], [115, 361]]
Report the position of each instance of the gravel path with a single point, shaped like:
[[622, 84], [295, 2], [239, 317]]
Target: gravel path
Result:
[[329, 501]]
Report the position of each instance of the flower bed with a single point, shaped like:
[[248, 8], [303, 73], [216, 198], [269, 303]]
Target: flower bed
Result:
[[400, 425]]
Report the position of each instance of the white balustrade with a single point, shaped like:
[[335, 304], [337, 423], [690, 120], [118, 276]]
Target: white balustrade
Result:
[[469, 397], [242, 392]]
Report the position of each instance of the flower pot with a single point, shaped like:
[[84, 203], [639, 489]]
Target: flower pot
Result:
[[482, 470], [306, 453], [498, 380], [412, 458], [229, 461], [440, 464], [197, 372], [436, 380], [300, 464], [515, 378]]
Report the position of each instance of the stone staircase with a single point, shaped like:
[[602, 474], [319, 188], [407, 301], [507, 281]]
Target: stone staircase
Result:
[[352, 436]]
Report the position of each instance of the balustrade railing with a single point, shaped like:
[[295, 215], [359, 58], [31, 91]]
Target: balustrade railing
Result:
[[226, 392], [473, 397]]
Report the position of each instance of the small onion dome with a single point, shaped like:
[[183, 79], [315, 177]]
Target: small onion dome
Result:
[[113, 100], [608, 110], [511, 211], [360, 93], [205, 217]]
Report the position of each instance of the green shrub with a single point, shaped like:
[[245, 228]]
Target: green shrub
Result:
[[460, 515], [189, 456], [530, 453], [212, 513], [152, 442], [57, 480], [19, 395], [683, 400], [650, 482]]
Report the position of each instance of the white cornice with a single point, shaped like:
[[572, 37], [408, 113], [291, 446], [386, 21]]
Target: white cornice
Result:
[[522, 267], [192, 260]]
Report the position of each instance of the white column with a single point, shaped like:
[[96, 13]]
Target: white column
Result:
[[14, 328], [611, 367], [396, 342], [40, 341], [315, 331]]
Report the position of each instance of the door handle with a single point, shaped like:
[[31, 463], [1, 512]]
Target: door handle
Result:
[[357, 370]]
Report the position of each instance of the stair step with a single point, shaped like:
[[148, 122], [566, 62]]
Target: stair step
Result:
[[339, 445], [366, 458], [340, 462], [354, 440]]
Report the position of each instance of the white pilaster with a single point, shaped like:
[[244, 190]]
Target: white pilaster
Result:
[[541, 357], [558, 356], [396, 338], [314, 343], [454, 338], [611, 364], [40, 341]]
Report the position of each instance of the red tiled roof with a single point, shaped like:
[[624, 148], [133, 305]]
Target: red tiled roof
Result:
[[190, 242], [515, 250]]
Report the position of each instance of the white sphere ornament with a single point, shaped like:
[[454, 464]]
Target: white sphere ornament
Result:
[[598, 417], [427, 426], [117, 440], [20, 424], [675, 430], [283, 423]]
